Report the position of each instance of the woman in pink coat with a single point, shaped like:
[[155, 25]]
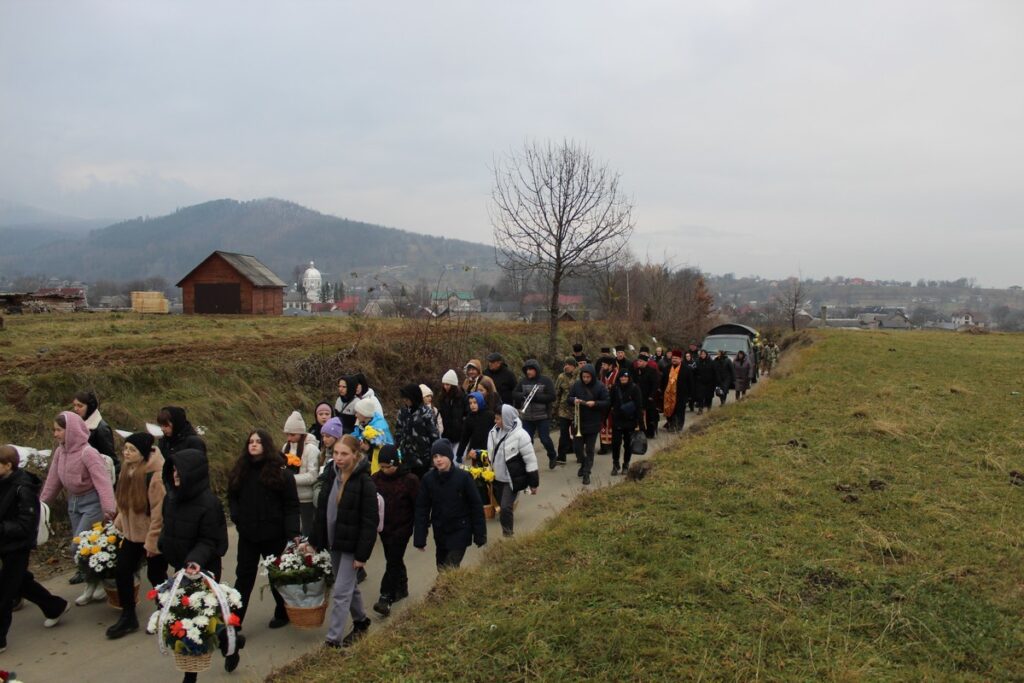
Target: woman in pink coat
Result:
[[81, 471]]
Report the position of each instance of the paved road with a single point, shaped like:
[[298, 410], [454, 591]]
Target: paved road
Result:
[[78, 649]]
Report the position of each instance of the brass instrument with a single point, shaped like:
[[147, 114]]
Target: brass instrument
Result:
[[577, 421], [529, 398]]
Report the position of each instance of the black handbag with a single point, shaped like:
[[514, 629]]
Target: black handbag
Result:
[[639, 444]]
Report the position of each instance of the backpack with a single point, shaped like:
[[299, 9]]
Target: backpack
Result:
[[44, 530]]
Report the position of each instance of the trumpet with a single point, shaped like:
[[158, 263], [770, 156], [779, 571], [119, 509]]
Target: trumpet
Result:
[[529, 398], [576, 419]]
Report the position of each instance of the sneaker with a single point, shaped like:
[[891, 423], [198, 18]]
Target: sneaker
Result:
[[383, 605], [586, 480], [86, 597], [78, 578], [359, 630], [579, 472], [552, 463], [333, 644], [278, 622], [50, 623], [615, 470]]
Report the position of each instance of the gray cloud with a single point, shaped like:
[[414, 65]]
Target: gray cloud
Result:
[[877, 139]]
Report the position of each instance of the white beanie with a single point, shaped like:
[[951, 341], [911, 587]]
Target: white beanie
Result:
[[366, 407], [451, 378], [294, 424], [426, 391]]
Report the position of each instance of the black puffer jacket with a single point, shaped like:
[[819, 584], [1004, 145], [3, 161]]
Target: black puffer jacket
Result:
[[449, 503], [194, 526], [590, 418], [19, 511], [262, 513], [415, 430], [704, 376], [183, 434], [452, 406], [355, 529], [475, 429], [725, 375], [627, 406], [540, 406], [504, 380]]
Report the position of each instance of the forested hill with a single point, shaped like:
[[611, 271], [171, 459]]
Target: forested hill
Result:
[[280, 233]]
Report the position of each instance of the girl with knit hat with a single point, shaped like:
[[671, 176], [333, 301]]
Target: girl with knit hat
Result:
[[321, 414], [428, 400], [80, 470], [371, 430], [301, 453], [140, 498], [452, 406]]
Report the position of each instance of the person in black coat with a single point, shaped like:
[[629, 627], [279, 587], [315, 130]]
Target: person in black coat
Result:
[[475, 427], [725, 376], [346, 524], [450, 504], [19, 524], [101, 436], [179, 434], [704, 381], [627, 407], [452, 405], [536, 419], [503, 377], [195, 534], [591, 397], [399, 491], [264, 506]]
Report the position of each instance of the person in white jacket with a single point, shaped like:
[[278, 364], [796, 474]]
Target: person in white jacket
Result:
[[514, 463], [302, 456]]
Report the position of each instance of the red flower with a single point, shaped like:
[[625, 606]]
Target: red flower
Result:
[[308, 559], [177, 630], [233, 620], [151, 595], [185, 602], [277, 562]]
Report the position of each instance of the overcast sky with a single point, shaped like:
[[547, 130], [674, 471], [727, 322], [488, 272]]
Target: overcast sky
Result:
[[872, 139]]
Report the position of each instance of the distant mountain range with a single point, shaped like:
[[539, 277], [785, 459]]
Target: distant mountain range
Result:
[[279, 233]]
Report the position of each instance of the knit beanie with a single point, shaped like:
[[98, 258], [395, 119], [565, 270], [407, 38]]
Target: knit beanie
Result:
[[451, 377], [388, 455], [577, 348], [426, 391], [295, 424], [442, 447], [333, 428], [365, 407], [143, 441]]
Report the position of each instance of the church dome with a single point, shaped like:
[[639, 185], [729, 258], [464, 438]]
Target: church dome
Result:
[[312, 280]]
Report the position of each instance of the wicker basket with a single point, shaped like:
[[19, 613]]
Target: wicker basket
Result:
[[306, 617], [489, 511], [192, 663], [114, 598]]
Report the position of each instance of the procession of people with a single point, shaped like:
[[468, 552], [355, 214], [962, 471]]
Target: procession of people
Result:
[[347, 478]]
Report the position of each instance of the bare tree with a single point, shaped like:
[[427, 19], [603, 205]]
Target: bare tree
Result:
[[558, 212], [791, 300]]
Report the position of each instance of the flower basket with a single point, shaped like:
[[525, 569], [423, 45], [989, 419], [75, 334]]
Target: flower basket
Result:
[[192, 663], [113, 597], [97, 551], [301, 578], [195, 614], [306, 617]]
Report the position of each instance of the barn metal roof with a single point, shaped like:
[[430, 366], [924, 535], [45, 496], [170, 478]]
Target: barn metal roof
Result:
[[249, 267]]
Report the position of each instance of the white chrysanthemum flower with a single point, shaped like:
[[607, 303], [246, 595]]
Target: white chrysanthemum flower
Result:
[[153, 619], [201, 621]]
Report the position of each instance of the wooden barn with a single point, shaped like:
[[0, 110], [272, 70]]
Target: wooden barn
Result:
[[232, 283]]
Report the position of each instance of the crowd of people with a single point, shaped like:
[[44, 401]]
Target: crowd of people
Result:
[[347, 479]]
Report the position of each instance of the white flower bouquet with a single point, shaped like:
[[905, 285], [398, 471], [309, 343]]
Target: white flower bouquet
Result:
[[97, 551], [191, 614]]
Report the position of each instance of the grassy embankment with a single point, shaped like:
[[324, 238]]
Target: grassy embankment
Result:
[[855, 520]]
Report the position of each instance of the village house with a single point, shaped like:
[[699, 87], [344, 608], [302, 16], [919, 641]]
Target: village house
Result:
[[230, 283]]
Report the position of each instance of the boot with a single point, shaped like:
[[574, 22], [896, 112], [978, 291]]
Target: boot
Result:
[[615, 469], [586, 480], [383, 605], [231, 661], [359, 629], [91, 593], [128, 623]]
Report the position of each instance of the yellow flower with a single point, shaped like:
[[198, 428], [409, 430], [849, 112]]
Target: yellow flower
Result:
[[83, 551], [111, 539], [476, 472], [488, 475], [370, 433], [76, 539], [97, 526]]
